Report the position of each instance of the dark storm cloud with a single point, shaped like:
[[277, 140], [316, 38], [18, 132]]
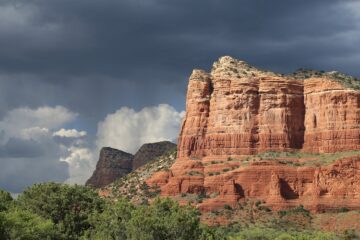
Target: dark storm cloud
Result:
[[17, 148], [113, 37], [95, 56], [24, 162], [18, 173]]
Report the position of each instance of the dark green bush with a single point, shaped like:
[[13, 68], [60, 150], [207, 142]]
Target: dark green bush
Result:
[[163, 220], [17, 223], [227, 207], [68, 207], [5, 200], [299, 209], [56, 212], [112, 222]]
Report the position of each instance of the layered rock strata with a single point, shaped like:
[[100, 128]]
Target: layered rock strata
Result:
[[237, 111], [280, 186]]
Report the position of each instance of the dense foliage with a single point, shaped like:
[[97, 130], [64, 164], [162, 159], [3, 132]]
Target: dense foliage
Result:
[[56, 211], [68, 207], [164, 219]]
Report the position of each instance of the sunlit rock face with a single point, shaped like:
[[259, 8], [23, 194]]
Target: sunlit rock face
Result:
[[237, 111]]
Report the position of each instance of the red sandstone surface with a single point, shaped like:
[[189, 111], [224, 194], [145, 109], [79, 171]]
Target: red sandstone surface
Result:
[[238, 110]]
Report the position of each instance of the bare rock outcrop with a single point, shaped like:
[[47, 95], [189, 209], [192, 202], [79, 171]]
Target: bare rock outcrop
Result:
[[112, 165], [237, 111], [150, 151]]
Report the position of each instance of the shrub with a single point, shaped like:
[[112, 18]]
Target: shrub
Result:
[[18, 223], [227, 207], [343, 209], [195, 173], [299, 209], [272, 234], [68, 207], [112, 222], [144, 186], [212, 233], [5, 200], [257, 204], [164, 219]]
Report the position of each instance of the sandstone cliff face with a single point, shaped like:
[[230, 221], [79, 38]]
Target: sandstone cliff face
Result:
[[112, 165], [332, 116], [150, 151], [237, 110], [280, 186]]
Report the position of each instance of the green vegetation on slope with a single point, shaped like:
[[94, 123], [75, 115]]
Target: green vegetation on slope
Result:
[[56, 211], [302, 159], [273, 234], [133, 186], [346, 80]]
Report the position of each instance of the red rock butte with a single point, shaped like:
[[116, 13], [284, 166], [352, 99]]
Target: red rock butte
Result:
[[237, 113]]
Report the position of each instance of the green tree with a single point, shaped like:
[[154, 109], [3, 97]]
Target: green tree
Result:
[[68, 207], [111, 224], [162, 220], [5, 203], [20, 224], [213, 233], [5, 200], [270, 234], [256, 234], [285, 236]]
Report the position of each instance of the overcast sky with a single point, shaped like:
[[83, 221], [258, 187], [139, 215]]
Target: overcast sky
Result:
[[79, 74]]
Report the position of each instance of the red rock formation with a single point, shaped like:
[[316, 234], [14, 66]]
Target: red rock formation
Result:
[[238, 110], [280, 186], [332, 118]]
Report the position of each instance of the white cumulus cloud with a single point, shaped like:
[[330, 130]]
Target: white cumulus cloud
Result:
[[18, 120], [28, 149], [127, 129], [81, 164], [36, 146], [69, 133]]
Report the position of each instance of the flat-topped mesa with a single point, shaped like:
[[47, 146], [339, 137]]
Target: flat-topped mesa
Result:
[[238, 109]]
